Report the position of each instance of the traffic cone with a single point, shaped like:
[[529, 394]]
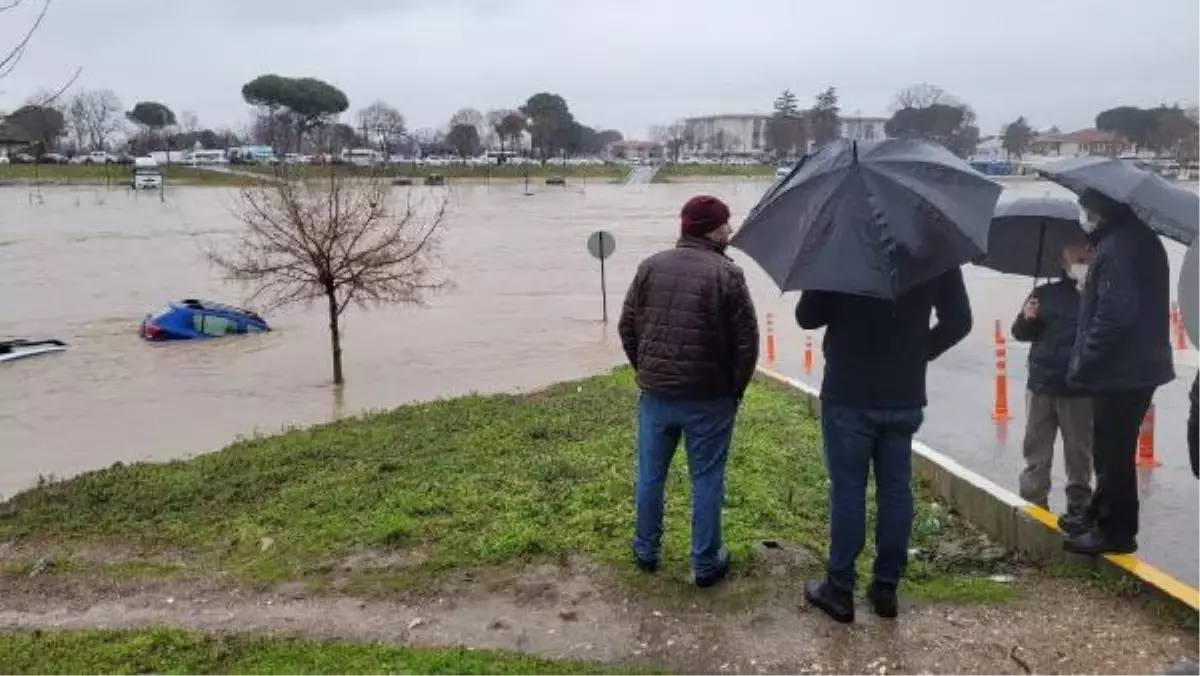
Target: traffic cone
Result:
[[808, 354], [1000, 409], [770, 338], [1145, 450]]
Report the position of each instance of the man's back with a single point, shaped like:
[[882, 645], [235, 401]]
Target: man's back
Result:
[[877, 350], [688, 324]]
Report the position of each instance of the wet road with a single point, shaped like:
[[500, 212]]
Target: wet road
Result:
[[84, 265]]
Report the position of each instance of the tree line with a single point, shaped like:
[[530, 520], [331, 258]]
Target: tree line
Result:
[[303, 115], [1163, 130]]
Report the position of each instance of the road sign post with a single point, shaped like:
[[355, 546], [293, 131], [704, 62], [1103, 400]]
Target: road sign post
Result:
[[601, 245]]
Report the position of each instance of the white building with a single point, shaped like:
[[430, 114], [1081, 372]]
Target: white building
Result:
[[745, 134]]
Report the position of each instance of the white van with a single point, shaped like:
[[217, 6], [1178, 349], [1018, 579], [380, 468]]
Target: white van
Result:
[[145, 174], [363, 157]]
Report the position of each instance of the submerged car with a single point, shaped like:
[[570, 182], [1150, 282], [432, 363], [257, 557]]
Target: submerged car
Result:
[[190, 319], [19, 348]]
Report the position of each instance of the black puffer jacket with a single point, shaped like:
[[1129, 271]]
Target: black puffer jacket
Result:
[[1052, 335], [688, 325], [1123, 341]]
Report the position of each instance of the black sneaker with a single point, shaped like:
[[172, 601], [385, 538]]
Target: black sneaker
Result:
[[1095, 543], [883, 600], [1074, 524], [645, 565], [834, 602], [714, 576]]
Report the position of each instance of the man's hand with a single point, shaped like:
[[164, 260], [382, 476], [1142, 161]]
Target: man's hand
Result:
[[1030, 310]]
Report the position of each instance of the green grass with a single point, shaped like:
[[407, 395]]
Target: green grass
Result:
[[169, 651], [114, 175], [699, 171], [470, 483], [459, 171]]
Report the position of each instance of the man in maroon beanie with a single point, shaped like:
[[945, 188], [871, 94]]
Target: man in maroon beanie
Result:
[[689, 329]]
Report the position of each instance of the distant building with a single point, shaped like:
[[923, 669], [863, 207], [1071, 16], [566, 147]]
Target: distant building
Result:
[[721, 135], [745, 134], [990, 148], [861, 128], [1082, 142]]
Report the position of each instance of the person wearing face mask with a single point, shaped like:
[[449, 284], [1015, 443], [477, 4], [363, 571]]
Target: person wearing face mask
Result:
[[689, 329], [1048, 320], [1122, 353]]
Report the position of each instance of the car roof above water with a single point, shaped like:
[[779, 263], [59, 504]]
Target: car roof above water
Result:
[[196, 304]]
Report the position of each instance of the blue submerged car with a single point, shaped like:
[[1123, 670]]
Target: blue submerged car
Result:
[[190, 319]]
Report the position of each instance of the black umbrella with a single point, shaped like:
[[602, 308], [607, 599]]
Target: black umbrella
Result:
[[1028, 236], [870, 218], [1170, 210]]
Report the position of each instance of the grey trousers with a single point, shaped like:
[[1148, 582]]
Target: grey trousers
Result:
[[1046, 416]]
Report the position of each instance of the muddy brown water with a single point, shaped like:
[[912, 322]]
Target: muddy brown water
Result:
[[85, 265]]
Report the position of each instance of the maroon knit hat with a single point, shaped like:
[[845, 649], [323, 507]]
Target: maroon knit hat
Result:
[[702, 214]]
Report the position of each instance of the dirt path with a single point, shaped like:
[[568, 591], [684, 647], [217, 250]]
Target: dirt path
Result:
[[1055, 626]]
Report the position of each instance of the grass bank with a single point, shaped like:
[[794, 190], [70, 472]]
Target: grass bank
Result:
[[169, 651], [464, 484], [505, 172], [681, 173], [110, 175]]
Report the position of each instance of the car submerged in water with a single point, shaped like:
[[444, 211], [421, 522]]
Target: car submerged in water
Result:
[[191, 319]]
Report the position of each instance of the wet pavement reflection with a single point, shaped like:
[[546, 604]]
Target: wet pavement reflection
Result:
[[85, 264]]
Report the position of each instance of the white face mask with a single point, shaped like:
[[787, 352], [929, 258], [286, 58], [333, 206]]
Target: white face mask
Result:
[[1078, 272], [1088, 226]]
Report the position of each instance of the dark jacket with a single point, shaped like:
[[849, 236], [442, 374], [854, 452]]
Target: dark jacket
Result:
[[1193, 426], [1052, 336], [876, 351], [688, 325], [1123, 340]]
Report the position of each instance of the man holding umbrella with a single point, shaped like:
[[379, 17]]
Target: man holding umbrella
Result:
[[1036, 237], [874, 234], [1122, 350]]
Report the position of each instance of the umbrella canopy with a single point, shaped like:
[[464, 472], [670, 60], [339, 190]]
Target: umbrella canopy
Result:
[[1028, 235], [1188, 294], [870, 218], [1170, 210]]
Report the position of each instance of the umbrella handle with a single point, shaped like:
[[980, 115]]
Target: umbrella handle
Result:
[[1037, 265]]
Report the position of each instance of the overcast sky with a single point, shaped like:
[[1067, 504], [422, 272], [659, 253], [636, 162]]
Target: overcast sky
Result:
[[625, 64]]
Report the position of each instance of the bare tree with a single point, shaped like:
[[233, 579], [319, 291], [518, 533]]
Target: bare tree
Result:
[[673, 137], [508, 125], [94, 114], [922, 95], [472, 117], [383, 123], [10, 60], [339, 240]]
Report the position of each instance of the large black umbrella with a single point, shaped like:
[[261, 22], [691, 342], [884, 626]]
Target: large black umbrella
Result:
[[1170, 210], [1028, 236], [870, 218]]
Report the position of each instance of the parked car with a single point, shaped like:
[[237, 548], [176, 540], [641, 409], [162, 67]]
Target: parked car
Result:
[[190, 319], [52, 158]]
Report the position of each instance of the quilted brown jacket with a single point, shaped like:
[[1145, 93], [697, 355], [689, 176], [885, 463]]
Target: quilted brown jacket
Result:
[[688, 324]]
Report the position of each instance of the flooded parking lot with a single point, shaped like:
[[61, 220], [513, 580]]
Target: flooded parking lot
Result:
[[84, 265]]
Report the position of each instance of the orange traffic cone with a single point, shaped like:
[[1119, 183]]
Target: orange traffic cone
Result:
[[1000, 409], [808, 354], [770, 338], [1145, 450]]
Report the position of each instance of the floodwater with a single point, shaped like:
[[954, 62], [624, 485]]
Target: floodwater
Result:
[[85, 264]]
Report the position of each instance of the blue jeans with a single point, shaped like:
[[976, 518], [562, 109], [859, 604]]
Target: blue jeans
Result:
[[707, 427], [856, 439]]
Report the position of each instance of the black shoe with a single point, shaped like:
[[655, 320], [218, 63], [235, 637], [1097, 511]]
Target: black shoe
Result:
[[1095, 543], [714, 576], [834, 602], [645, 565], [883, 600], [1074, 524]]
